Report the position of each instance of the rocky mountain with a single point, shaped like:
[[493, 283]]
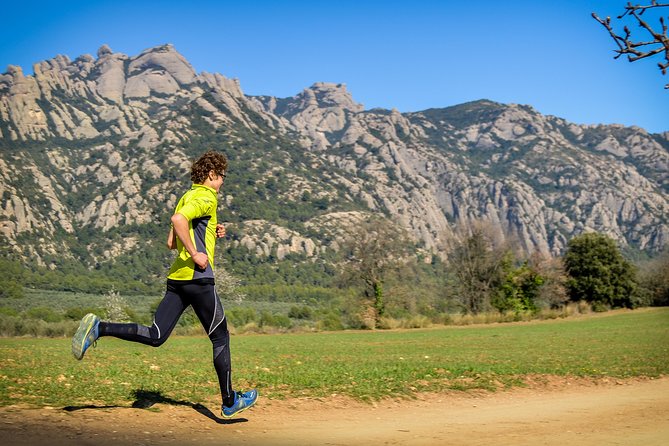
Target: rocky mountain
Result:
[[94, 152]]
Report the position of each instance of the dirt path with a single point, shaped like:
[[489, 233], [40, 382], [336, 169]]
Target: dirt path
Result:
[[627, 413]]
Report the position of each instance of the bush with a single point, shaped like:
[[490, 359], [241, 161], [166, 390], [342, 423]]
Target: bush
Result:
[[10, 289], [189, 319], [76, 313], [303, 312], [268, 319], [18, 326], [417, 321], [519, 290], [115, 306], [239, 317], [8, 311], [43, 313], [330, 321]]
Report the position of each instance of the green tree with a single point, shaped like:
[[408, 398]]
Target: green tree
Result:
[[598, 273], [10, 289], [520, 290], [12, 279]]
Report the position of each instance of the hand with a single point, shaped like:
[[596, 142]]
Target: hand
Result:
[[201, 260], [220, 231]]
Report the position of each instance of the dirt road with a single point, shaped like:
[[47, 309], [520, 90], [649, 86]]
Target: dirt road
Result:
[[564, 412]]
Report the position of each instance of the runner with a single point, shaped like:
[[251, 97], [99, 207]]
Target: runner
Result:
[[190, 281]]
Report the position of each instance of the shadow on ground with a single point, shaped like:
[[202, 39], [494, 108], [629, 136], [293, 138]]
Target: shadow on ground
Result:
[[145, 399]]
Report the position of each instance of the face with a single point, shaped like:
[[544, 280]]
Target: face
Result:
[[216, 180]]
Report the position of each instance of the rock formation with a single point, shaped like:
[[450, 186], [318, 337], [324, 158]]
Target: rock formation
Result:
[[95, 145]]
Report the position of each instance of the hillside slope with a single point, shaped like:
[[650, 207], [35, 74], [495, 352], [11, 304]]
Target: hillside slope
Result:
[[95, 151]]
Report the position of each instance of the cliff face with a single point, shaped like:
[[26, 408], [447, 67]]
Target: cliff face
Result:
[[94, 152]]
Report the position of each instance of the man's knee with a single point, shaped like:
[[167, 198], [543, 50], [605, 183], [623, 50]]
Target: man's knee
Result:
[[157, 342], [156, 337]]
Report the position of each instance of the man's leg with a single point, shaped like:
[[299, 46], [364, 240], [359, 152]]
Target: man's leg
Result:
[[209, 310], [167, 314]]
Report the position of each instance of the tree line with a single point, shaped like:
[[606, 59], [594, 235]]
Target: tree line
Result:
[[484, 272], [381, 279]]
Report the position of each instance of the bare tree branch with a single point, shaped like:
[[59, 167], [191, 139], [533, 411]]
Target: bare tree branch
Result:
[[640, 49]]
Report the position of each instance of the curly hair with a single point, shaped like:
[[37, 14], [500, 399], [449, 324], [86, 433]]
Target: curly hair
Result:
[[209, 161]]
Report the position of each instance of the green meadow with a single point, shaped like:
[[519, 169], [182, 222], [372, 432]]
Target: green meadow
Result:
[[365, 365]]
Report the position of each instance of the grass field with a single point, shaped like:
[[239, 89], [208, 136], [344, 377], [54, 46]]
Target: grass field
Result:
[[364, 365]]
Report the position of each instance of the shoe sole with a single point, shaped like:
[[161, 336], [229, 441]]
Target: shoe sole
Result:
[[79, 338], [227, 417]]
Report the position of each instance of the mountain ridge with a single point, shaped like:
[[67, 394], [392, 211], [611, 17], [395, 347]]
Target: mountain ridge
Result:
[[101, 145]]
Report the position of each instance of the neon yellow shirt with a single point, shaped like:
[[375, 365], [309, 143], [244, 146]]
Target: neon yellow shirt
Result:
[[198, 205]]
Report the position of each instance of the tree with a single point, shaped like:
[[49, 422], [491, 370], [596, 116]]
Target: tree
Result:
[[655, 279], [658, 42], [374, 249], [598, 273], [478, 261], [10, 289], [227, 284], [12, 279], [553, 292], [519, 291], [116, 306]]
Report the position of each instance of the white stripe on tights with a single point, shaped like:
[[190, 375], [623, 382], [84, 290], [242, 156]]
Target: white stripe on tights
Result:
[[213, 317]]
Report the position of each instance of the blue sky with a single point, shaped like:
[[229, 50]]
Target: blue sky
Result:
[[409, 55]]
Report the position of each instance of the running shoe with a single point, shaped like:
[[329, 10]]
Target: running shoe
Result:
[[242, 402], [86, 335]]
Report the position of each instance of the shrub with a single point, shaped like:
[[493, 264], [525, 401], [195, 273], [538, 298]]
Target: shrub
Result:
[[268, 319], [241, 316], [519, 290], [417, 321], [18, 326], [76, 313], [303, 312], [115, 306], [330, 321], [43, 313], [8, 311]]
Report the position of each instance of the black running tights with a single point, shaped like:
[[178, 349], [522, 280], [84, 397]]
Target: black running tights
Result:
[[207, 307]]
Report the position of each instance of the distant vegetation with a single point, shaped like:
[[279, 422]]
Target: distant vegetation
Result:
[[484, 281]]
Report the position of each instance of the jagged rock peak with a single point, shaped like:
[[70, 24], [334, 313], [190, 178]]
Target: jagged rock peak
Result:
[[167, 58], [326, 94], [14, 70], [104, 50]]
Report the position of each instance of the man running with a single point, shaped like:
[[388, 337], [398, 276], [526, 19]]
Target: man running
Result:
[[190, 281]]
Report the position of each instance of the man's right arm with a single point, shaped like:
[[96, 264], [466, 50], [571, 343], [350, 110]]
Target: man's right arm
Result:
[[180, 225]]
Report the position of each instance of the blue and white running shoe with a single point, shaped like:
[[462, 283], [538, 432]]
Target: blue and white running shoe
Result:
[[242, 402], [86, 335]]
